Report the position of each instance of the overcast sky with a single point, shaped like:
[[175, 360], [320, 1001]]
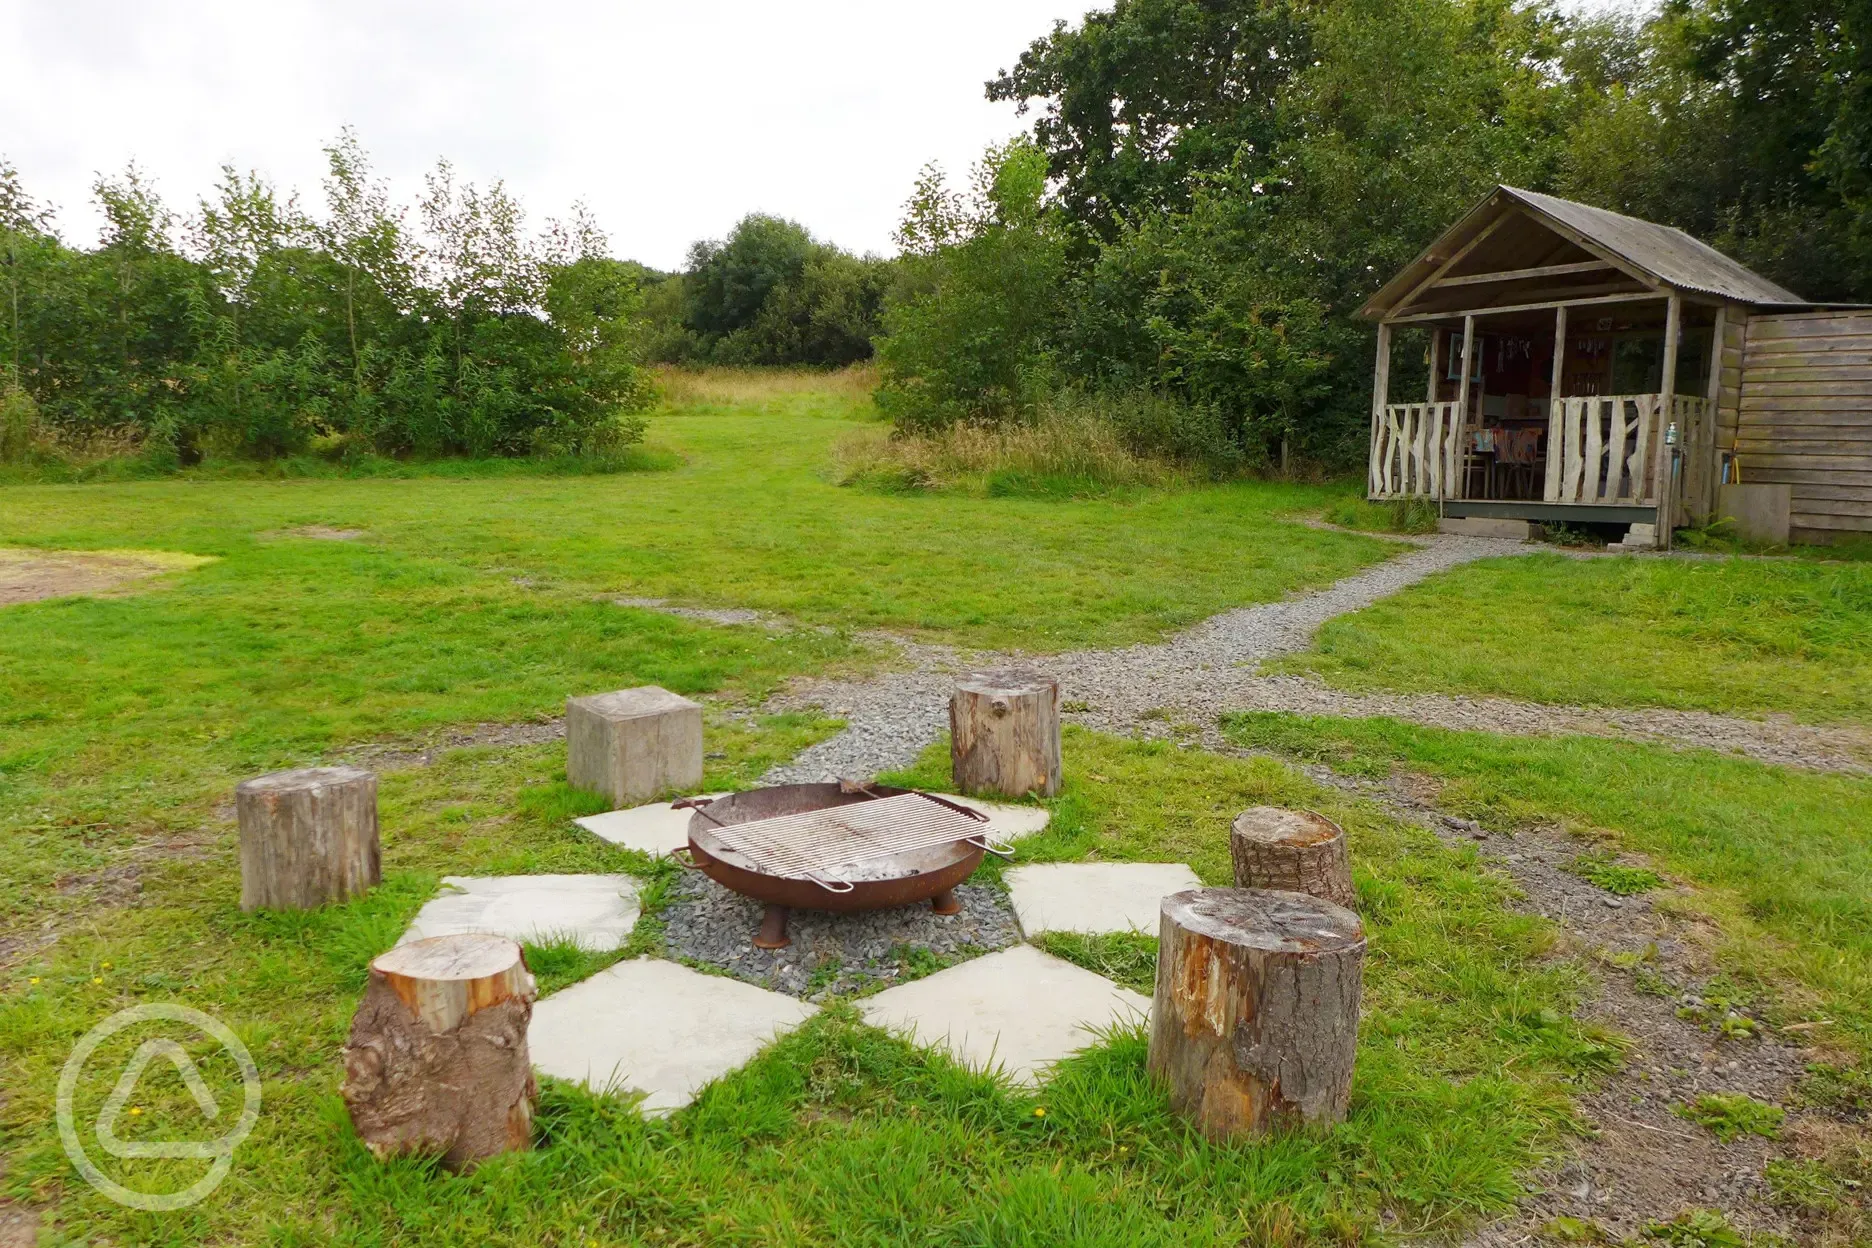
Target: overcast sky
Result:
[[671, 119]]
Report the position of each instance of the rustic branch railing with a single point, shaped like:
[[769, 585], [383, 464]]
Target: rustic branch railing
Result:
[[1417, 451], [1605, 448]]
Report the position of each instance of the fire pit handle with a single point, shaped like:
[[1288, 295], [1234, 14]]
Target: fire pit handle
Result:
[[696, 804], [831, 885], [684, 857], [988, 843]]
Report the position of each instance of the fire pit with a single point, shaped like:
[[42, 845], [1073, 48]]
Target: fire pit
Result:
[[835, 847]]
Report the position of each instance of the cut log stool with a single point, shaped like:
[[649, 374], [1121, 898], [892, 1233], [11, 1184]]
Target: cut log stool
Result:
[[633, 744], [437, 1062], [1004, 733], [1294, 850], [1255, 1022], [307, 837]]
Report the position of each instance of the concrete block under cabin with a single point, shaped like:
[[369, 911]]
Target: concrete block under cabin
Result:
[[1762, 512], [1489, 526], [634, 744]]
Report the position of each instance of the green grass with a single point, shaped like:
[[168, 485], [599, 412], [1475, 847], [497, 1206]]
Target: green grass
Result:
[[1782, 856], [1607, 872], [1730, 1116], [478, 598], [1730, 635], [837, 1134], [1128, 958]]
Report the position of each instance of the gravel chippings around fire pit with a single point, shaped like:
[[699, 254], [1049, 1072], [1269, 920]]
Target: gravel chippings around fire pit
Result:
[[831, 954]]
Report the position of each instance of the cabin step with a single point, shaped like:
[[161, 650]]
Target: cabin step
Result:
[[1640, 537]]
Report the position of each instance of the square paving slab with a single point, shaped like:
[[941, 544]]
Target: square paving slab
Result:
[[1020, 1009], [658, 1028], [656, 829], [596, 911], [1094, 897]]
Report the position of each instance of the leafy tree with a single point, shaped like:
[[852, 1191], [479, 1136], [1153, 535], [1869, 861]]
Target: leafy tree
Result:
[[260, 327], [1138, 102], [770, 294], [729, 280], [973, 337]]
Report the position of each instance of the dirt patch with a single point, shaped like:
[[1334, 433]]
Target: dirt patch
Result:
[[19, 1228], [321, 533], [32, 575]]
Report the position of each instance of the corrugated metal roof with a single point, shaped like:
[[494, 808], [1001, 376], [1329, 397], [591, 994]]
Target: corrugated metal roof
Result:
[[1670, 255]]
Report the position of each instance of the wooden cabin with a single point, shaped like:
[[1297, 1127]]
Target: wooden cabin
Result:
[[1588, 367]]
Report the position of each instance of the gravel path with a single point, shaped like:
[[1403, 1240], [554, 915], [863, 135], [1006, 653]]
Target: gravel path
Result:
[[830, 953], [1209, 669]]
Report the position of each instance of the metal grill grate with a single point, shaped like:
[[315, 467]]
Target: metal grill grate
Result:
[[815, 844]]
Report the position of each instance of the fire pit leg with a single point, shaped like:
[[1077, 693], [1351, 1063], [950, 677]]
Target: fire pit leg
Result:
[[946, 902], [772, 934]]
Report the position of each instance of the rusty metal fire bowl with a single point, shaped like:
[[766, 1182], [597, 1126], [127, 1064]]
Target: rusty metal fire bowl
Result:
[[815, 847]]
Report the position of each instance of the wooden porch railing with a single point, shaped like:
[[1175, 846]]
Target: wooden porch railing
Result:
[[1602, 448], [1417, 451], [1607, 448]]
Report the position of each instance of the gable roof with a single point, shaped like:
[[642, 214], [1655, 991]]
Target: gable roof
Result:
[[1664, 254]]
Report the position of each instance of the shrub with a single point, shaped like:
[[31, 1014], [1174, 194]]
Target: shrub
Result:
[[967, 338], [19, 423], [1059, 454]]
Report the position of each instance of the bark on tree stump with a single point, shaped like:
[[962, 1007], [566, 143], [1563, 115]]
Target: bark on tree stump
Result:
[[1255, 1022], [1004, 733], [437, 1061], [1293, 850], [634, 744], [307, 837]]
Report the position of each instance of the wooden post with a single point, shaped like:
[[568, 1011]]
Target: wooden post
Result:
[[1381, 395], [1667, 390], [1004, 733], [1255, 1022], [436, 1064], [1292, 850], [307, 837], [1556, 410], [1462, 391], [1703, 498], [1436, 356]]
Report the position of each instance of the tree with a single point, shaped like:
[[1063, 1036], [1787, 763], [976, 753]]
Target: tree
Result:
[[1138, 102], [972, 338]]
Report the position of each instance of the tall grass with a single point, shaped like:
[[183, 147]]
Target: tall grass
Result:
[[684, 387], [1060, 453]]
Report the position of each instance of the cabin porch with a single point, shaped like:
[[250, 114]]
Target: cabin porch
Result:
[[1595, 411]]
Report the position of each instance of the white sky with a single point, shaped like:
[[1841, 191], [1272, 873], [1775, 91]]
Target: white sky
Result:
[[670, 118]]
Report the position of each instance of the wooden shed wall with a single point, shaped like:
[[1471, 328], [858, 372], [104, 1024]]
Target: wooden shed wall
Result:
[[1728, 388], [1805, 416]]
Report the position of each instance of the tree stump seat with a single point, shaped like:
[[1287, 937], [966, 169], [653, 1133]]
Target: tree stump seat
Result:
[[307, 837], [1254, 1026], [1294, 851], [437, 1063], [1004, 733]]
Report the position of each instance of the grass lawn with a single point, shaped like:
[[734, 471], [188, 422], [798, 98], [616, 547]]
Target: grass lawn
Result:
[[484, 597], [476, 598], [1783, 858], [1730, 635], [839, 1134]]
